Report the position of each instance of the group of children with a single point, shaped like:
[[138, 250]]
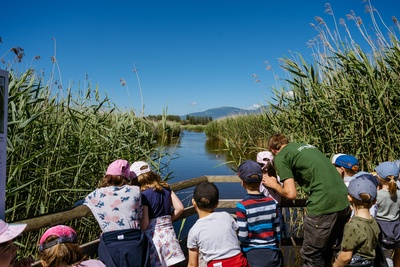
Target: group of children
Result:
[[253, 239], [135, 208], [375, 198]]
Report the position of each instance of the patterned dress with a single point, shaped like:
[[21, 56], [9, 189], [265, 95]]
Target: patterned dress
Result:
[[165, 249]]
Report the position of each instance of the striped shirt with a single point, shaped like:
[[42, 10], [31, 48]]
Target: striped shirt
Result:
[[258, 222]]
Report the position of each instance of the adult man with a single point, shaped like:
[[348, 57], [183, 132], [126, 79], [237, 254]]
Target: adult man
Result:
[[327, 205]]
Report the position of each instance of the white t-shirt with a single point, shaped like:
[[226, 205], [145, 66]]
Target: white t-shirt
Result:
[[215, 236]]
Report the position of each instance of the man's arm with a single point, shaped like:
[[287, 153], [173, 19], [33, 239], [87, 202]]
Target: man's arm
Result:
[[288, 190]]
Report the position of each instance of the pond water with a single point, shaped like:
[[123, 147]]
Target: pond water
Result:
[[194, 156]]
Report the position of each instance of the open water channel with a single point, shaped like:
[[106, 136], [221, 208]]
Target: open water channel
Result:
[[194, 156]]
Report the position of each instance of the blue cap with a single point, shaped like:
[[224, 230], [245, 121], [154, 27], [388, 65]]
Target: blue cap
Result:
[[386, 169], [371, 177], [397, 162], [249, 168], [362, 185], [346, 161]]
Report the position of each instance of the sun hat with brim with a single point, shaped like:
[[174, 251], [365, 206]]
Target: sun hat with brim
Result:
[[63, 233], [139, 168], [386, 169], [10, 231], [362, 185], [120, 167], [265, 157]]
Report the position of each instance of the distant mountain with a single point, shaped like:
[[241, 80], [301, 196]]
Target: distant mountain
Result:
[[216, 113]]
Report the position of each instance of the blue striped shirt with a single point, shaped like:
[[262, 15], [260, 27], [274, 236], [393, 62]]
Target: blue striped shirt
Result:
[[258, 222]]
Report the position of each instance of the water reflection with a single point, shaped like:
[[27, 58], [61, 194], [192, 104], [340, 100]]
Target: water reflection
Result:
[[195, 156]]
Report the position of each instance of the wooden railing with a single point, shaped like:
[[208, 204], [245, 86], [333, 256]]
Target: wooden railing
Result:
[[81, 211]]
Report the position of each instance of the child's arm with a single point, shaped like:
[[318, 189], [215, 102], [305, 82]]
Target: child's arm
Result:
[[193, 257], [178, 206], [144, 222], [242, 222], [343, 258]]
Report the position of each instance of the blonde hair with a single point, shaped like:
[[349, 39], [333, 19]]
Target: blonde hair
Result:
[[61, 254], [390, 181], [152, 180]]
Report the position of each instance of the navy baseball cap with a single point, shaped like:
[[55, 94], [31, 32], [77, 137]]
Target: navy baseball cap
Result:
[[250, 172]]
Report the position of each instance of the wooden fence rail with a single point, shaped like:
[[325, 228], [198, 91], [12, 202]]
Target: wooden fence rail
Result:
[[90, 248]]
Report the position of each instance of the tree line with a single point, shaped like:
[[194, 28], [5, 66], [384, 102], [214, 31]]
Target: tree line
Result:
[[195, 120]]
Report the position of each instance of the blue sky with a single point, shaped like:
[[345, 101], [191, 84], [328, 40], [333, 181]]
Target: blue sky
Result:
[[190, 56]]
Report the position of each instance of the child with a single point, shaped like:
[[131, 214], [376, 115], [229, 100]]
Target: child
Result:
[[258, 220], [388, 215], [157, 202], [214, 233], [8, 250], [116, 205], [360, 235], [59, 246], [266, 161], [347, 166]]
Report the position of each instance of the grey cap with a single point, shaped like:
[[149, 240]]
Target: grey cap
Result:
[[362, 185]]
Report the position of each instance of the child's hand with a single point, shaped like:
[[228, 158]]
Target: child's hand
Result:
[[26, 262]]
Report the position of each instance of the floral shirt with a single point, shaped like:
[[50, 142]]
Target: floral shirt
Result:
[[116, 207]]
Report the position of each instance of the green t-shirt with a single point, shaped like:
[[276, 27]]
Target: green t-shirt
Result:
[[315, 174], [361, 236]]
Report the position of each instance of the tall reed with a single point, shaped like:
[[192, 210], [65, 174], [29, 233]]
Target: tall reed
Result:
[[346, 100], [58, 148]]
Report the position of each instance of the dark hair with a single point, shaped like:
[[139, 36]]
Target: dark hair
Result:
[[206, 195], [253, 185], [277, 141]]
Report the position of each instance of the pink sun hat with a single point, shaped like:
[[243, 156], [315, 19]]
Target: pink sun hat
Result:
[[10, 231], [120, 167]]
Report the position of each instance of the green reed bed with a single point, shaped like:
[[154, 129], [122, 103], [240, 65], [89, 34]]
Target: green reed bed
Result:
[[58, 148], [346, 100]]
